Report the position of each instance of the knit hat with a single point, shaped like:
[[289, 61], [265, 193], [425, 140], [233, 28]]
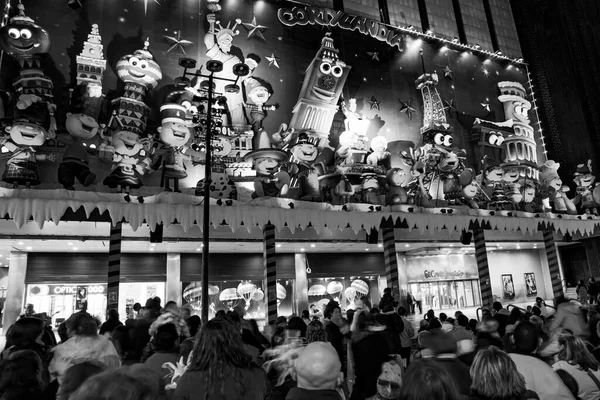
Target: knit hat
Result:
[[390, 380]]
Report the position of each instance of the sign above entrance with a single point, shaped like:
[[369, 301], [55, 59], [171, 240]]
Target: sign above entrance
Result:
[[81, 290], [441, 267], [326, 17]]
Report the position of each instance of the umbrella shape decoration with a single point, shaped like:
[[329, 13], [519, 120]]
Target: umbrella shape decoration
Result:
[[361, 287], [317, 290], [258, 295], [281, 293], [246, 290], [230, 298], [350, 294], [334, 288], [193, 293], [322, 304]]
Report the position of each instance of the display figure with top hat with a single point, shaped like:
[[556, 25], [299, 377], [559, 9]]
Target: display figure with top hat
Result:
[[587, 193], [29, 131], [304, 165], [270, 180], [258, 92], [176, 135]]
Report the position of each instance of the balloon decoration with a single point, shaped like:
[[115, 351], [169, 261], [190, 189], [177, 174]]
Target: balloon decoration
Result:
[[192, 294], [258, 295], [246, 291], [230, 298], [317, 290], [361, 288], [334, 289], [350, 294]]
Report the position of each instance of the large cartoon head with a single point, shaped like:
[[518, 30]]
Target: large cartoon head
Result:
[[511, 174], [471, 190], [173, 130], [127, 143], [379, 144], [140, 68], [397, 177], [266, 165], [549, 175], [583, 175], [449, 161], [370, 182], [21, 37], [225, 36], [266, 161], [528, 192], [258, 90], [81, 125], [494, 174], [306, 147], [27, 134]]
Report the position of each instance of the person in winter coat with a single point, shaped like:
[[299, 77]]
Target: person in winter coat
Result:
[[569, 316], [84, 344], [576, 359], [406, 337], [495, 377], [593, 290], [582, 292]]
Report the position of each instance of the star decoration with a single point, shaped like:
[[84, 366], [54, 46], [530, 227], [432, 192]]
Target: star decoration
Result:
[[447, 72], [485, 71], [146, 5], [255, 29], [407, 108], [273, 60], [374, 55], [486, 107], [177, 42], [449, 107], [375, 103]]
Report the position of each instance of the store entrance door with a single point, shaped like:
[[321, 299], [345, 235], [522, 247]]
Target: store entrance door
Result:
[[447, 294]]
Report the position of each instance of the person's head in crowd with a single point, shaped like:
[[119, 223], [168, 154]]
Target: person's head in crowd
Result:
[[82, 324], [172, 307], [389, 381], [539, 301], [462, 320], [235, 319], [112, 314], [157, 300], [137, 307], [434, 324], [472, 325], [132, 383], [423, 325], [186, 312], [574, 351], [361, 321], [315, 332], [494, 375], [76, 375], [426, 380], [305, 314], [451, 321], [62, 332], [220, 314], [281, 320], [535, 310], [526, 338], [443, 317], [318, 367], [440, 343], [515, 316], [333, 311], [430, 315], [218, 350], [569, 381], [401, 311], [193, 324], [350, 316], [538, 323], [21, 376], [496, 306], [458, 314], [24, 333], [166, 338], [298, 325], [529, 309]]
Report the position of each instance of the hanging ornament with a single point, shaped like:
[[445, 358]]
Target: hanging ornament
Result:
[[407, 108], [273, 60], [255, 29], [374, 55], [447, 72], [374, 103], [177, 43], [486, 107], [449, 107]]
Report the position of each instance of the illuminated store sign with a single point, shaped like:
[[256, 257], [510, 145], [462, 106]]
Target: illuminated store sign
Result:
[[72, 289], [326, 17]]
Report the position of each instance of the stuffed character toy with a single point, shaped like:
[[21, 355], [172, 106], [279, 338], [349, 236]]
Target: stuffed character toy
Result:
[[258, 92], [130, 161], [380, 153], [553, 192], [586, 188], [396, 193], [270, 180]]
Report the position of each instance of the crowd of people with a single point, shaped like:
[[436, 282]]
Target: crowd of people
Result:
[[371, 353]]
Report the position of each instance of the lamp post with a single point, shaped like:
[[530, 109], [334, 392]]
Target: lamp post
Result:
[[208, 85]]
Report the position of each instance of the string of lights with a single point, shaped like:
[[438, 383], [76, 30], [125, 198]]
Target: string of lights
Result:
[[535, 109]]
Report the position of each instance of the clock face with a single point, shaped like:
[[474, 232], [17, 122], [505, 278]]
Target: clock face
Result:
[[327, 82]]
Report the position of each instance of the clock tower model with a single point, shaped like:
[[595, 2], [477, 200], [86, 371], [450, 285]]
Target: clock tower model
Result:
[[321, 90], [91, 63]]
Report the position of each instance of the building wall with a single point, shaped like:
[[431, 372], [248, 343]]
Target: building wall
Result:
[[442, 18], [506, 31], [476, 26], [404, 12]]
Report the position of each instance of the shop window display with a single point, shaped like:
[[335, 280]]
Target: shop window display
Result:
[[346, 291], [138, 292], [247, 296]]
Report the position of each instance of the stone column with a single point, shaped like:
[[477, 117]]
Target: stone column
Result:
[[301, 289], [270, 265], [173, 290], [114, 265], [15, 289], [553, 264], [483, 269]]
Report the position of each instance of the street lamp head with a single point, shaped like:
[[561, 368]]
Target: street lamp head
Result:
[[188, 63], [214, 66], [232, 88], [182, 82], [241, 69], [206, 84]]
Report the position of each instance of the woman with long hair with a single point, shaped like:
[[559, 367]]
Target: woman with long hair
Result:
[[575, 358], [494, 376], [219, 368], [84, 344], [315, 332], [425, 380]]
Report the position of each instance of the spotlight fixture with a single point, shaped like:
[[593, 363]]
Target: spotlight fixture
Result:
[[302, 249], [477, 47], [380, 245], [455, 40], [278, 244], [429, 32], [499, 53]]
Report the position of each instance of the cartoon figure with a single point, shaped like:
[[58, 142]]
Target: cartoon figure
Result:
[[345, 153], [129, 160], [344, 189], [585, 188], [258, 92], [370, 189], [553, 193], [529, 202], [380, 153], [494, 188], [397, 179], [469, 195], [140, 68], [176, 135], [304, 153], [22, 38], [29, 130], [512, 187], [218, 43], [449, 167], [271, 182]]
